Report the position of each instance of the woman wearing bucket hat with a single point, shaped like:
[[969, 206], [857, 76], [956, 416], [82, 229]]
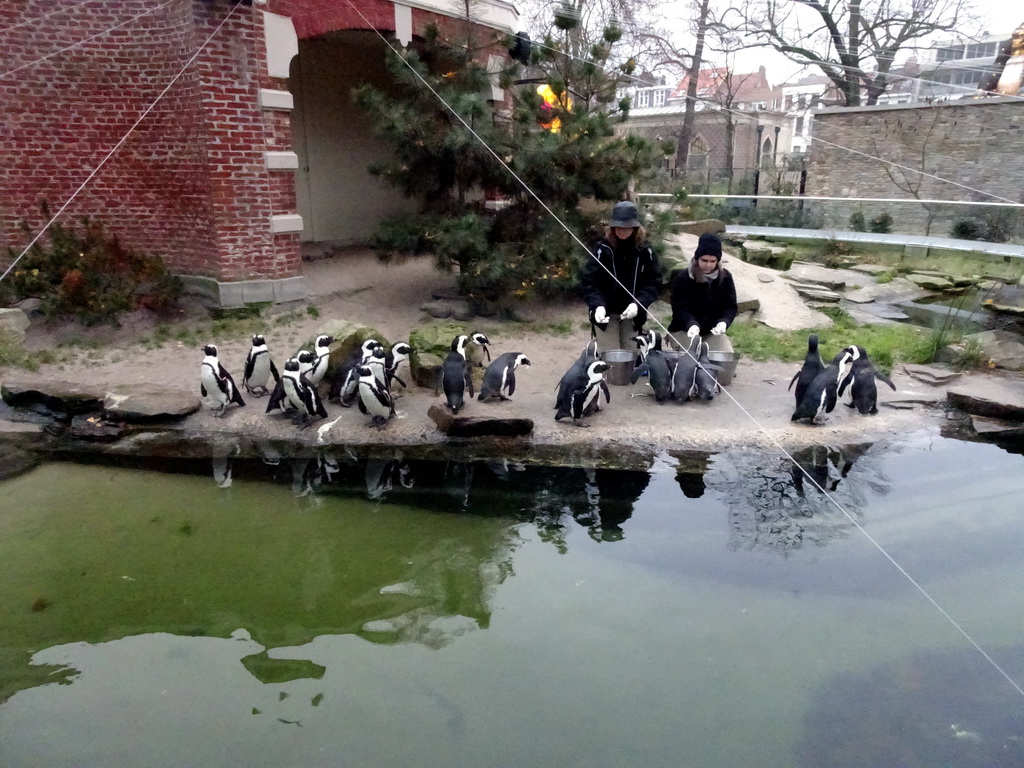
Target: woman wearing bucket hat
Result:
[[704, 296], [622, 278]]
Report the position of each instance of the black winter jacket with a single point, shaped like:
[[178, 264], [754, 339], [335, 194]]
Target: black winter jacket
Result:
[[703, 304], [637, 269]]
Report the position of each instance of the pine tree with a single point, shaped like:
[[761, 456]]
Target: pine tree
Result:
[[521, 250]]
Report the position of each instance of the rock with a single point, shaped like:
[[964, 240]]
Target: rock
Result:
[[989, 396], [985, 426], [812, 274], [463, 312], [148, 402], [478, 426], [96, 428], [437, 309], [1003, 348], [932, 375], [22, 390], [15, 321], [765, 278], [765, 255], [746, 303], [700, 227], [914, 398], [898, 289], [870, 269], [815, 293], [31, 306], [426, 369], [930, 282]]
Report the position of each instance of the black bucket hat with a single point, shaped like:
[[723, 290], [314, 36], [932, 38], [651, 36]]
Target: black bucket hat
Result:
[[625, 215]]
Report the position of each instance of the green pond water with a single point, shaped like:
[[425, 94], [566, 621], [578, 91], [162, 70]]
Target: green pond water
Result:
[[715, 610]]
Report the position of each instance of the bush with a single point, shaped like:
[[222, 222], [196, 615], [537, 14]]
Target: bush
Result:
[[89, 275], [857, 223], [882, 223], [969, 228]]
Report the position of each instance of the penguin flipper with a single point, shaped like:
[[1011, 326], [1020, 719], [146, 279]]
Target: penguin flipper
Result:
[[793, 380], [250, 364], [640, 370], [607, 392], [202, 390], [511, 383], [469, 380], [882, 377], [273, 371]]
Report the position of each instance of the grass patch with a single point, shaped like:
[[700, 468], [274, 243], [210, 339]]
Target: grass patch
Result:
[[886, 344]]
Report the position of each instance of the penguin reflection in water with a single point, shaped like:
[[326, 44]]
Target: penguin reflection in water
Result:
[[862, 375], [216, 383], [581, 391]]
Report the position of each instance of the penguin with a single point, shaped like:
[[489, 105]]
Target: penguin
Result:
[[216, 383], [312, 404], [397, 356], [500, 376], [376, 362], [292, 386], [306, 360], [658, 372], [455, 375], [704, 381], [646, 342], [684, 378], [259, 368], [482, 341], [374, 399], [322, 359], [345, 380], [822, 394], [862, 375], [811, 368], [581, 391]]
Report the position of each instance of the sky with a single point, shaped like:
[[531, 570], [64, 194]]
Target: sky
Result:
[[997, 17]]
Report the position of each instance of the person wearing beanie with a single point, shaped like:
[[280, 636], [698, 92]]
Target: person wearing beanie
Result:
[[622, 278], [704, 296]]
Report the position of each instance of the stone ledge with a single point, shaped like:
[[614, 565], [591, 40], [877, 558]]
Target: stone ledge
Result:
[[238, 294], [478, 426]]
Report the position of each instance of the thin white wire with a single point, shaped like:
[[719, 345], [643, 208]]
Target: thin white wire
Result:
[[778, 445], [34, 19], [4, 75], [754, 117], [117, 146]]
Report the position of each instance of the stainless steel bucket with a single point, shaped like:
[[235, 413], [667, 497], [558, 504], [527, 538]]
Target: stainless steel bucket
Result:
[[727, 362], [620, 362]]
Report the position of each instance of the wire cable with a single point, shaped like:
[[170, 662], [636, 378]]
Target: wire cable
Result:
[[117, 146], [668, 335]]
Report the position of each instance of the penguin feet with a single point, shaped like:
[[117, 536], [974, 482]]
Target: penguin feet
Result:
[[579, 423], [379, 422]]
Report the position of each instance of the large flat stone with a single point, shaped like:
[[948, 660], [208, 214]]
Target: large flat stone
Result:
[[148, 402], [478, 426], [933, 375], [22, 390], [989, 396], [996, 427]]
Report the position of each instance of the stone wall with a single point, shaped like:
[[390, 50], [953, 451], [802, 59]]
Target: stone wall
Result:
[[957, 151]]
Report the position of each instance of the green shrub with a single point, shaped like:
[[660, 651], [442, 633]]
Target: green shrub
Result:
[[90, 275], [857, 223], [882, 223], [969, 228]]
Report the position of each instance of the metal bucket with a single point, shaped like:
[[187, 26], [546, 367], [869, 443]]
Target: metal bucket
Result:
[[620, 363], [727, 362]]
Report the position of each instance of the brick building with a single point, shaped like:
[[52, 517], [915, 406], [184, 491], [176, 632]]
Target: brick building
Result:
[[218, 135]]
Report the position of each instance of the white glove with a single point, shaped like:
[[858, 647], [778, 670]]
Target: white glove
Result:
[[630, 312], [718, 330], [601, 316], [692, 331]]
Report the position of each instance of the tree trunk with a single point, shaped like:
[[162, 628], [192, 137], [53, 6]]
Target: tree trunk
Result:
[[690, 116]]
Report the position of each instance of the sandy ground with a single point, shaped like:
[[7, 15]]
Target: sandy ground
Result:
[[352, 285]]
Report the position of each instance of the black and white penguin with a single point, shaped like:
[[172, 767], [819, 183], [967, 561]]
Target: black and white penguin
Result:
[[322, 359], [376, 362], [646, 342], [582, 391], [455, 375], [346, 376], [811, 368], [862, 375], [259, 368], [292, 387], [500, 376], [659, 374], [216, 383], [374, 399], [704, 380], [395, 361], [306, 360], [481, 340], [684, 377], [822, 394]]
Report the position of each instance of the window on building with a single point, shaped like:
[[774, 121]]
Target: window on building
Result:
[[643, 99], [789, 103], [981, 50], [815, 100], [800, 124], [801, 101], [659, 98], [949, 53]]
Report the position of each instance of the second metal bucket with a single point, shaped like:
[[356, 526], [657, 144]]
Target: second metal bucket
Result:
[[620, 362]]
